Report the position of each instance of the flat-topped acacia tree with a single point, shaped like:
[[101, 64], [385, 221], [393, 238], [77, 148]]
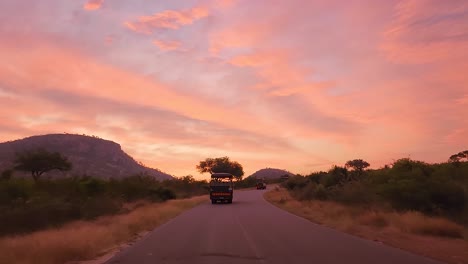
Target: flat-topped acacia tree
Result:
[[223, 164], [40, 161]]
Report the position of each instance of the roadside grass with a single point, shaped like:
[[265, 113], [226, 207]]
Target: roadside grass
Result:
[[82, 240], [435, 237]]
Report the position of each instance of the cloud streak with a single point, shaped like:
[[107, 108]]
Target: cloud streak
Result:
[[299, 85], [168, 19], [167, 45]]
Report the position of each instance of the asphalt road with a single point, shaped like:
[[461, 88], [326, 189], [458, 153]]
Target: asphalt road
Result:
[[250, 230]]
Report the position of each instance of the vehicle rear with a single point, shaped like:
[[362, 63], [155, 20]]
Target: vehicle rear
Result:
[[261, 184], [221, 188]]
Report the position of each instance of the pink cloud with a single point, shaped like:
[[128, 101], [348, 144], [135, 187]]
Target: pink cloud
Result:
[[169, 19], [92, 5], [426, 31], [167, 45], [318, 82], [223, 4], [241, 35]]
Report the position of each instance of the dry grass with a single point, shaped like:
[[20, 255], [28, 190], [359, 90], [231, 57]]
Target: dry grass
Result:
[[434, 237], [85, 240], [418, 223]]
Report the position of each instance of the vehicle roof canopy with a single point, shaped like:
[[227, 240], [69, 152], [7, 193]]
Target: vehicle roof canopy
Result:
[[221, 175]]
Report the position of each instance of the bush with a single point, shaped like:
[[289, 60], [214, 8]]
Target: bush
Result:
[[92, 208], [92, 186], [14, 190], [407, 185], [311, 191], [158, 194], [36, 214], [246, 183], [413, 188], [28, 205], [296, 182], [6, 174], [353, 193]]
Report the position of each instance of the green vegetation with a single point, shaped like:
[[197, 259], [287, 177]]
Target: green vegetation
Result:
[[28, 205], [223, 164], [85, 240], [406, 185]]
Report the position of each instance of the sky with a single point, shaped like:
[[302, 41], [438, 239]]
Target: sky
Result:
[[300, 85]]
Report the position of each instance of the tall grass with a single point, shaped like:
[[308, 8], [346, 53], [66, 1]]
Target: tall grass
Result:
[[83, 240], [340, 215], [432, 236], [417, 223], [29, 206]]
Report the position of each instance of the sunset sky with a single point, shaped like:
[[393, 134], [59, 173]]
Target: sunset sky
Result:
[[297, 85]]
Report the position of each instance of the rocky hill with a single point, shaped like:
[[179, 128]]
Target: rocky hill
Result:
[[90, 156], [270, 173]]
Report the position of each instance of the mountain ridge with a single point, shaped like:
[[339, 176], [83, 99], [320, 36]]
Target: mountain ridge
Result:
[[270, 173], [89, 155]]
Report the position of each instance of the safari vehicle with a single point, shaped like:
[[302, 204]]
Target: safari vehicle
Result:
[[221, 187], [261, 184]]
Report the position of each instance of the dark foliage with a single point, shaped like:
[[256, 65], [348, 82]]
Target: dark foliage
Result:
[[223, 164], [433, 189], [29, 205], [40, 161]]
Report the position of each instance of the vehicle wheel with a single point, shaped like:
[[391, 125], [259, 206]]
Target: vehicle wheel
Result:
[[213, 201], [230, 201]]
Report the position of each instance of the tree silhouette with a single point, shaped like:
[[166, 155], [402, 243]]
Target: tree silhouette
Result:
[[358, 165], [223, 164], [459, 156], [41, 161]]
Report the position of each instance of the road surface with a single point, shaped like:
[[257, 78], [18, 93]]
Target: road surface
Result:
[[250, 230]]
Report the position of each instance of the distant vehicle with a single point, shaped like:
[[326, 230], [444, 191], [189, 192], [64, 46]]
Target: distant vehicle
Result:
[[221, 187], [261, 184]]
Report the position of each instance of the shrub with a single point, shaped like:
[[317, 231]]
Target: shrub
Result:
[[295, 182], [29, 205], [161, 194], [92, 186], [353, 193], [6, 174], [407, 185]]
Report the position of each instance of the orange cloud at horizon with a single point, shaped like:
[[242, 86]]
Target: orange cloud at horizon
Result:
[[92, 5]]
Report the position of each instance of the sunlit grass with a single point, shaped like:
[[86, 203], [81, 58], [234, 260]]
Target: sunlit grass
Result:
[[436, 237], [82, 240]]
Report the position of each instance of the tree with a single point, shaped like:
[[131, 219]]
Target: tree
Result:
[[41, 161], [455, 158], [223, 164], [357, 164]]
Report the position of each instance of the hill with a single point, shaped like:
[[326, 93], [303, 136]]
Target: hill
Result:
[[270, 173], [90, 156]]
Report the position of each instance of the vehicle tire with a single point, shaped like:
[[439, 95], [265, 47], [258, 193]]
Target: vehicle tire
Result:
[[213, 201], [230, 201]]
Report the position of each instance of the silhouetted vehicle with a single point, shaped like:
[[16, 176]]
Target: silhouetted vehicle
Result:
[[261, 184], [221, 187]]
